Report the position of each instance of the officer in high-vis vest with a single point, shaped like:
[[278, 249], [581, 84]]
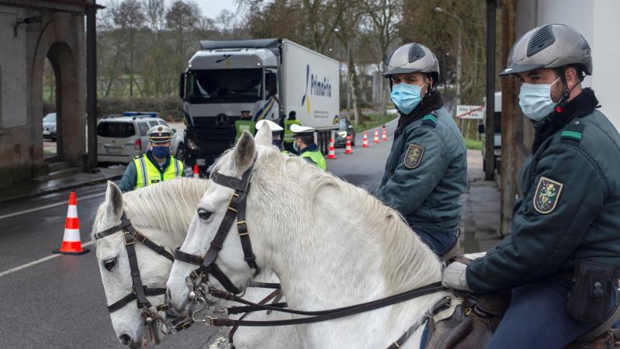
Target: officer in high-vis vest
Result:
[[244, 124], [157, 165], [303, 144], [288, 134]]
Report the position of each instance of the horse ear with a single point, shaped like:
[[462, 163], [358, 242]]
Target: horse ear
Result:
[[263, 136], [244, 152], [114, 198]]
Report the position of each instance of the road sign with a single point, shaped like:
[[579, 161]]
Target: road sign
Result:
[[475, 112]]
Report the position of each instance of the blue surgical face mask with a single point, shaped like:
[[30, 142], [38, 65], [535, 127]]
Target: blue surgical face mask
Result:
[[161, 151], [295, 147], [406, 97], [535, 100]]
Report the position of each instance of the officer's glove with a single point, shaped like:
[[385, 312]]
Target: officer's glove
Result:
[[454, 276]]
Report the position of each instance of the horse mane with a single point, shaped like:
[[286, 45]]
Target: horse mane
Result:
[[408, 262], [167, 207]]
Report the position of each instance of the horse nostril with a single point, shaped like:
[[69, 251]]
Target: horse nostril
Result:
[[125, 339]]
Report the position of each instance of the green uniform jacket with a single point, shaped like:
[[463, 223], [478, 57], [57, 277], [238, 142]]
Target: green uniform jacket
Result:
[[426, 172], [130, 181], [570, 209]]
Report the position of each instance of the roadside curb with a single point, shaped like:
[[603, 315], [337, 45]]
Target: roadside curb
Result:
[[59, 188]]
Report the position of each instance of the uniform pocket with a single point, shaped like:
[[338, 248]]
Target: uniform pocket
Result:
[[590, 297]]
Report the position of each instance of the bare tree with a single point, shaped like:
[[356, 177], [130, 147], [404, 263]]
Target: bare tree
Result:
[[182, 20], [129, 18]]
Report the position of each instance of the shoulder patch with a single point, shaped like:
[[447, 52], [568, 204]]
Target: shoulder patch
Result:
[[573, 132], [413, 156], [429, 120], [547, 195]]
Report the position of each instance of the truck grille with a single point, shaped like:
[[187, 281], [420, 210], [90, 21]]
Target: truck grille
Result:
[[209, 128]]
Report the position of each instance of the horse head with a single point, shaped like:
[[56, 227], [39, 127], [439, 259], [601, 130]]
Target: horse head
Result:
[[231, 176], [111, 232]]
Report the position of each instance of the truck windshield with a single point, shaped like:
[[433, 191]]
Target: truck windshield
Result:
[[224, 86]]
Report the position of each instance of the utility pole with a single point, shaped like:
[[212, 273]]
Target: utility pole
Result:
[[91, 85], [489, 161], [459, 62]]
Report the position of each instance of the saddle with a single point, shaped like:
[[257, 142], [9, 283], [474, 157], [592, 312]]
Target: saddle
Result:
[[475, 319]]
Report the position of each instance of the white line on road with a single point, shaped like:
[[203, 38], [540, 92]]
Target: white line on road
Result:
[[48, 206], [33, 263]]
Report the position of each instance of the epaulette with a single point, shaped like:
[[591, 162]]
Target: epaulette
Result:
[[429, 120], [572, 133]]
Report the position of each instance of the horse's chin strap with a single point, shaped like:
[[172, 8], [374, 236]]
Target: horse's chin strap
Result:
[[236, 210]]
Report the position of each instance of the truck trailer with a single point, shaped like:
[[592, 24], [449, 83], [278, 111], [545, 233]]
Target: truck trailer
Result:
[[267, 77]]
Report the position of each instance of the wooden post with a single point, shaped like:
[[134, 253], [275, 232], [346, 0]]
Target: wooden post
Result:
[[509, 122], [489, 161]]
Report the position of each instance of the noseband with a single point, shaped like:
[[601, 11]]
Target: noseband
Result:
[[139, 291], [236, 209]]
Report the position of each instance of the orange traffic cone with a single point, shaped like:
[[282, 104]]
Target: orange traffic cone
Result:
[[332, 153], [348, 150], [196, 174], [71, 243], [376, 140], [365, 140], [384, 135]]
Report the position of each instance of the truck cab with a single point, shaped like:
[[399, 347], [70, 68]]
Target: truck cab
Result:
[[264, 76]]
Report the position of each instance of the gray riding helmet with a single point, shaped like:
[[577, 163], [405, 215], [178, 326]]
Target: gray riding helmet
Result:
[[549, 46], [412, 58]]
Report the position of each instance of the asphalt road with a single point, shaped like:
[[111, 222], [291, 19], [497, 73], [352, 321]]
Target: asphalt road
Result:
[[57, 301]]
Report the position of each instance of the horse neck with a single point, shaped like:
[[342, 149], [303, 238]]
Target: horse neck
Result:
[[331, 250]]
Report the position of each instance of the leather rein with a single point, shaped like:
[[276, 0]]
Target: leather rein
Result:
[[237, 210]]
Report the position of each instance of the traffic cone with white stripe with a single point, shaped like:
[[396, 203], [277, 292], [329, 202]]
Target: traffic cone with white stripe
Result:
[[376, 140], [365, 140], [332, 152], [196, 174], [384, 135], [71, 243], [348, 150]]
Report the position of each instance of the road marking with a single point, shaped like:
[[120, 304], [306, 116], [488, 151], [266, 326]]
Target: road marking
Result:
[[48, 206], [33, 263]]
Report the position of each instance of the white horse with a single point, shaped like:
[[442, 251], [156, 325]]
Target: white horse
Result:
[[162, 213], [331, 244]]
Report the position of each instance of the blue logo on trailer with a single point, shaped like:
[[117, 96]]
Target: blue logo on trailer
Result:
[[318, 87]]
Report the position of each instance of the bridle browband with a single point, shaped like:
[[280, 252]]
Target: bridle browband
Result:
[[236, 210]]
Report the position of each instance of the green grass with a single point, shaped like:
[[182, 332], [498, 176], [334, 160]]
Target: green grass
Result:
[[473, 144], [374, 120]]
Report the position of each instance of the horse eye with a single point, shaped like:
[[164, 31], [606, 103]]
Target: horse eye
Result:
[[109, 264], [204, 214]]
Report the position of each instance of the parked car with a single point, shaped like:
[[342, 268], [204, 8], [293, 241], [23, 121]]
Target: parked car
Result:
[[345, 129], [122, 137], [49, 126]]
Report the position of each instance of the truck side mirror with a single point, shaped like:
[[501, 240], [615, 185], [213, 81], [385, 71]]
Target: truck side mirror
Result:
[[271, 83], [182, 86], [481, 128]]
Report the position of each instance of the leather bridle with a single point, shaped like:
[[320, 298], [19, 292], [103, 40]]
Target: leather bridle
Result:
[[236, 210], [139, 291]]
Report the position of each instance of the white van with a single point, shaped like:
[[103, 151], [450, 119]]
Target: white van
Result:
[[121, 138]]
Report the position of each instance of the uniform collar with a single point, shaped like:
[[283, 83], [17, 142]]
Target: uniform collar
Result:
[[582, 105], [429, 104]]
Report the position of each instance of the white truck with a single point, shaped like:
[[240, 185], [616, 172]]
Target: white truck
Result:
[[228, 77]]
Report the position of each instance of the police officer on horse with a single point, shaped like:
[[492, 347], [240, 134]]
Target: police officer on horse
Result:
[[562, 260]]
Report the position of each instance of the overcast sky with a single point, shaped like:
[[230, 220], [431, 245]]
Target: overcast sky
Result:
[[209, 8]]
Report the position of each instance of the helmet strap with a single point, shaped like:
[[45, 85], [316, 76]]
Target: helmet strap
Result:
[[564, 99]]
